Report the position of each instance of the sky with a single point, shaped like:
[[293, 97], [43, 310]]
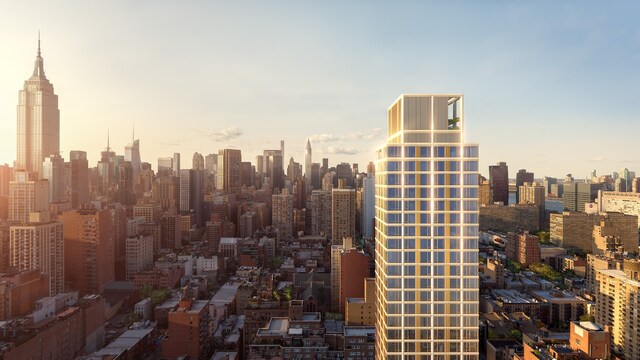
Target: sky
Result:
[[551, 87]]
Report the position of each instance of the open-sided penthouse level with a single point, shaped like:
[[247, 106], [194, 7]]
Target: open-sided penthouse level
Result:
[[427, 233]]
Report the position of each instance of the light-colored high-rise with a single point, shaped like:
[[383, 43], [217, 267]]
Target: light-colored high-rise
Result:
[[307, 162], [53, 171], [139, 254], [27, 196], [39, 244], [617, 304], [38, 120], [427, 233], [132, 153]]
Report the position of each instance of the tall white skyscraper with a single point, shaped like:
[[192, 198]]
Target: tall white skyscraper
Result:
[[38, 120], [308, 166], [427, 233], [132, 153]]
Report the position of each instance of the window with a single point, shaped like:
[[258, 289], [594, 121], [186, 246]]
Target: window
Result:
[[470, 151], [393, 151], [410, 151]]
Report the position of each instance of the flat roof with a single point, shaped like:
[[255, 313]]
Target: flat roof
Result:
[[359, 330], [226, 294], [588, 325], [355, 300], [224, 355], [566, 297], [311, 316], [277, 326], [514, 297]]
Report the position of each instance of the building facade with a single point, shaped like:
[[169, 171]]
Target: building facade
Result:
[[38, 120], [427, 233]]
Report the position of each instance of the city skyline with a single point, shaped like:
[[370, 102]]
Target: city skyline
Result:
[[322, 82]]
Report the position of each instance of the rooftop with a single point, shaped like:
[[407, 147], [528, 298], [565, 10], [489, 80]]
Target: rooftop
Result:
[[359, 330], [588, 325], [229, 241], [513, 297], [277, 326]]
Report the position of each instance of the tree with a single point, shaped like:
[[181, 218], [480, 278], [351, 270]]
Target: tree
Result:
[[516, 334], [514, 266], [544, 238], [546, 272], [288, 292], [587, 317]]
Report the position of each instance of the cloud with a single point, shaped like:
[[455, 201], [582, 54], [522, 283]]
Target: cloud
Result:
[[341, 150], [374, 133], [226, 134], [323, 138], [597, 159]]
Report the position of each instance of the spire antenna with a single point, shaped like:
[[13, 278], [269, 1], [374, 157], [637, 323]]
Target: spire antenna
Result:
[[38, 43], [108, 147]]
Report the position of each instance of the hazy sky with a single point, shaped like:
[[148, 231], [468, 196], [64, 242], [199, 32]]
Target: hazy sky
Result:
[[549, 86]]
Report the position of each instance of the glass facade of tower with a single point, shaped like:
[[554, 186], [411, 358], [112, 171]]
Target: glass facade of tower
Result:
[[427, 233]]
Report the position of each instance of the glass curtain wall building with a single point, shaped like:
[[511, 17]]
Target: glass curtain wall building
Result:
[[427, 233]]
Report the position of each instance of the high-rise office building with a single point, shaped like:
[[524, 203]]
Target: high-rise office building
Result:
[[228, 177], [274, 167], [368, 205], [38, 244], [176, 164], [79, 178], [576, 195], [27, 196], [125, 184], [307, 162], [547, 182], [53, 171], [38, 120], [499, 183], [132, 153], [343, 215], [211, 164], [427, 233], [343, 172], [522, 176], [164, 164], [197, 162], [187, 184]]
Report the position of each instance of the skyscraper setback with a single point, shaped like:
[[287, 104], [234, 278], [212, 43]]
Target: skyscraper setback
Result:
[[426, 233], [38, 120]]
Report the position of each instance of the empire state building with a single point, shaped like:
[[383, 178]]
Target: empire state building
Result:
[[38, 120]]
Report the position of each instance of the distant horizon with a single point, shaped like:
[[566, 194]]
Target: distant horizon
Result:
[[545, 85]]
